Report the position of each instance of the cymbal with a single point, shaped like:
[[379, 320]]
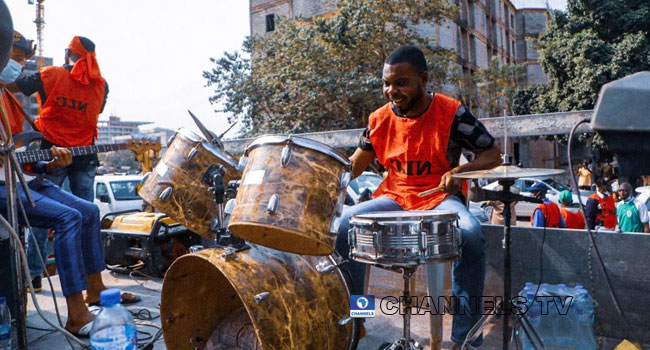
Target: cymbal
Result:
[[507, 172]]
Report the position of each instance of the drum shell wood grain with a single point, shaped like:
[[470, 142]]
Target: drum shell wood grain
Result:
[[191, 202], [309, 190], [301, 312]]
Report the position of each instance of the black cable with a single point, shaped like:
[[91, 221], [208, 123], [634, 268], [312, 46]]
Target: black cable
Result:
[[610, 288]]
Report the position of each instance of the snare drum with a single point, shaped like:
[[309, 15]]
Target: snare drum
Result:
[[176, 186], [291, 195], [404, 238]]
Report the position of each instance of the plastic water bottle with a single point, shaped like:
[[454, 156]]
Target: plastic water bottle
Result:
[[583, 315], [5, 325], [113, 328]]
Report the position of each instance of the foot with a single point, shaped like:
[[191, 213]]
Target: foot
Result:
[[36, 282], [74, 325], [467, 347]]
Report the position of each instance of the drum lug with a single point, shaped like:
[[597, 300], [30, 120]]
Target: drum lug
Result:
[[376, 241], [146, 177], [286, 156], [259, 298], [325, 267], [346, 177], [273, 205], [165, 194], [193, 153], [229, 254], [345, 321], [423, 240], [170, 140]]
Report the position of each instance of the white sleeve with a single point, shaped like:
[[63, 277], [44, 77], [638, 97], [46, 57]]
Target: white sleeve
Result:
[[643, 211]]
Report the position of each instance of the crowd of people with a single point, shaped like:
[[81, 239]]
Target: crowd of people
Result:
[[71, 97]]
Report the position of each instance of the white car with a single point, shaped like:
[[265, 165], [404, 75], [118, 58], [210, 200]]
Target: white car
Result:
[[644, 196], [115, 193], [525, 209]]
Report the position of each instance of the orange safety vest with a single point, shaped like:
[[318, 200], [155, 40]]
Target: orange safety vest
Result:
[[573, 220], [414, 152], [551, 214], [69, 116], [14, 111], [607, 211]]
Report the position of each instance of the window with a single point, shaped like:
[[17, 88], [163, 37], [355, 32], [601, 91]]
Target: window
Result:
[[512, 21], [270, 23], [124, 190], [100, 190]]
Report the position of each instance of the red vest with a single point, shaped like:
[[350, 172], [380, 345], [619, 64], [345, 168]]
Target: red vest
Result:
[[551, 214], [14, 111], [607, 211], [414, 150], [573, 220], [69, 116]]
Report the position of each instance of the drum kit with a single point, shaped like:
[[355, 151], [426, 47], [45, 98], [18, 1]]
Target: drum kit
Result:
[[274, 215]]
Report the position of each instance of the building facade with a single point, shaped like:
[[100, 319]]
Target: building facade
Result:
[[484, 28], [113, 129]]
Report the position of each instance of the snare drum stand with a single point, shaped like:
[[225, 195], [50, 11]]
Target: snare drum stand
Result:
[[406, 343], [213, 177], [505, 307]]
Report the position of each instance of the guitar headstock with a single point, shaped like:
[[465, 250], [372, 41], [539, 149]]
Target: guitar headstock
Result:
[[140, 146]]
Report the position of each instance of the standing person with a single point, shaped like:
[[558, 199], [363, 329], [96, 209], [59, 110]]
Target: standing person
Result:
[[77, 244], [584, 177], [71, 98], [632, 214], [573, 219], [600, 208], [419, 136], [547, 214]]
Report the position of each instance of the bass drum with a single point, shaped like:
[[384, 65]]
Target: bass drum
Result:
[[293, 301], [176, 186]]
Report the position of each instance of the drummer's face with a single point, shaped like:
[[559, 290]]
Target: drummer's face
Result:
[[404, 87]]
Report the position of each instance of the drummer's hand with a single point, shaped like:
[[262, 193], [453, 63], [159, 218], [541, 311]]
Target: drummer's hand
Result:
[[451, 185], [62, 157]]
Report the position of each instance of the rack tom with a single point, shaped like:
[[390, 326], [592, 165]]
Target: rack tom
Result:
[[291, 195], [176, 185], [404, 238]]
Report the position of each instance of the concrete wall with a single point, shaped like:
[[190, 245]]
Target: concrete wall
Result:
[[566, 260]]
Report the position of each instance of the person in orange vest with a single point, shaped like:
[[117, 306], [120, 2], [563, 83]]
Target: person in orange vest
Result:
[[71, 98], [573, 219], [600, 208], [418, 136], [547, 214]]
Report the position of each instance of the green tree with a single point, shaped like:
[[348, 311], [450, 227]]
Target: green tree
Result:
[[594, 42], [324, 73], [495, 86]]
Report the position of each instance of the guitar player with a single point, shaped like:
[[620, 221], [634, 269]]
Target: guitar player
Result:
[[77, 243]]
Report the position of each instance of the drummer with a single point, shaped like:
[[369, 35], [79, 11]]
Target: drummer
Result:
[[418, 136]]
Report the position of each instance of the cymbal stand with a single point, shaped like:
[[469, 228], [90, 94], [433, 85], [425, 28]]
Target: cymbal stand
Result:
[[505, 307]]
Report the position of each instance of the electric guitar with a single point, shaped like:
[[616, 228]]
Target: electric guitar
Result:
[[31, 142]]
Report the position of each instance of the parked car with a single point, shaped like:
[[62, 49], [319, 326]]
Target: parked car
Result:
[[115, 193], [361, 189], [644, 196], [525, 209]]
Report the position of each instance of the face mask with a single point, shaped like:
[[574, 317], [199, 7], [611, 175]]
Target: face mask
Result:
[[11, 72]]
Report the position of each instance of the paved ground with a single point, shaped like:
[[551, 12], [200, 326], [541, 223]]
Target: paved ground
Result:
[[379, 329]]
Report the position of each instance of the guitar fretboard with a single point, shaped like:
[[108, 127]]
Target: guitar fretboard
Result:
[[46, 154]]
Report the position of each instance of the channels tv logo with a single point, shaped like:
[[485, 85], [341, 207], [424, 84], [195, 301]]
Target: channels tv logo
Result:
[[362, 306]]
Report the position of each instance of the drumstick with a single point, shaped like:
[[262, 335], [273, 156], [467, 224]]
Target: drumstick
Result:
[[433, 190]]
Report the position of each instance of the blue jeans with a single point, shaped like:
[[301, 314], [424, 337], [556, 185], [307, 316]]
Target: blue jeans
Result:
[[82, 182], [77, 243], [468, 272]]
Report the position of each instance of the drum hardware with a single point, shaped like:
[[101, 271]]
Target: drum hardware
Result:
[[406, 342], [259, 298], [274, 203], [506, 174], [164, 195], [193, 153], [286, 154]]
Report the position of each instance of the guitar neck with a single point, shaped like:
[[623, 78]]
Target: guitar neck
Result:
[[46, 154]]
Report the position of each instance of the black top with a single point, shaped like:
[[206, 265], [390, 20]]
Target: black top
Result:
[[467, 132]]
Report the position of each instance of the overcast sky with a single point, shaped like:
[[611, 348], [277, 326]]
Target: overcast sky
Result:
[[153, 53]]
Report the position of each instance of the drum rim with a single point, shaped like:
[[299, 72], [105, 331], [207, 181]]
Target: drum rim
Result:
[[422, 214], [300, 141], [220, 153]]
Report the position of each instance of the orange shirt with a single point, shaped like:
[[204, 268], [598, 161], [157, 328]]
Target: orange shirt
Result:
[[70, 113], [414, 152], [607, 211], [551, 214], [573, 220], [14, 111]]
